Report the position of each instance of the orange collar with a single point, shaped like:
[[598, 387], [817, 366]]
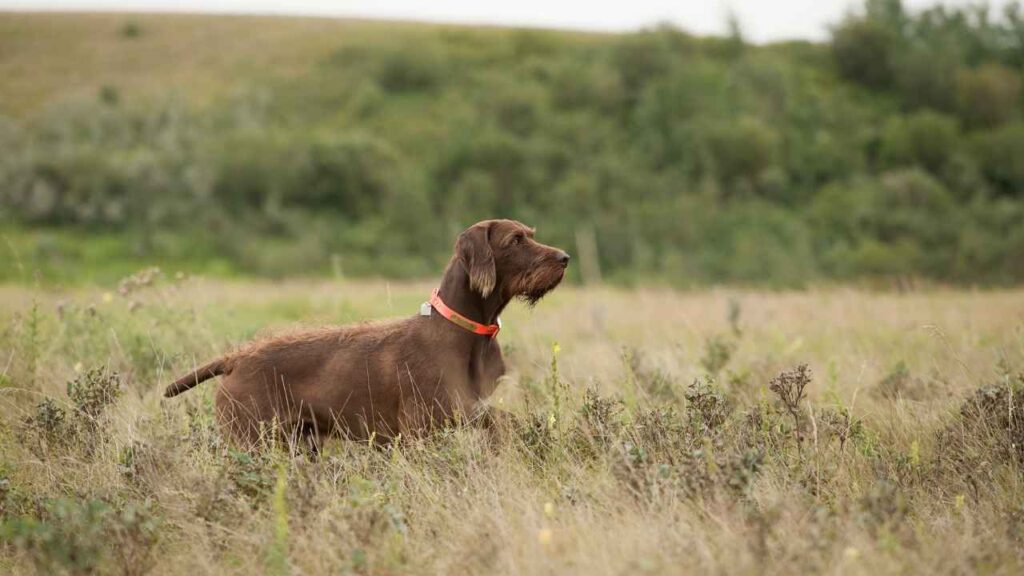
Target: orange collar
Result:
[[460, 320]]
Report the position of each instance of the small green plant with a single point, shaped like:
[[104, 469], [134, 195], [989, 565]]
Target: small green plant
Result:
[[52, 426], [660, 430], [987, 431], [790, 387], [735, 310], [92, 393], [536, 436], [133, 531], [277, 552], [599, 416], [899, 383], [110, 95], [556, 389], [139, 281], [370, 510], [67, 538], [718, 350], [202, 426], [664, 455], [46, 428], [840, 424], [707, 407], [598, 424], [7, 505], [32, 344], [883, 507], [654, 382], [404, 70], [250, 475], [130, 30], [72, 536]]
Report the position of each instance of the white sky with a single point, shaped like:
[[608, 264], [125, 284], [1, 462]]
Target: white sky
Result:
[[761, 20]]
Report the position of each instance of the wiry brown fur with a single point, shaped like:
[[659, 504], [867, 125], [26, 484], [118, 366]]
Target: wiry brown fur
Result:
[[379, 379]]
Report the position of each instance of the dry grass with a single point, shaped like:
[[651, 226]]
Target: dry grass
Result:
[[904, 457], [199, 58]]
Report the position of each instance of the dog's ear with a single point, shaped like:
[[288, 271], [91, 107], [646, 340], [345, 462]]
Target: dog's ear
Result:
[[474, 251]]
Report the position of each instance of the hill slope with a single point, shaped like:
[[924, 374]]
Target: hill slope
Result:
[[892, 152], [46, 56]]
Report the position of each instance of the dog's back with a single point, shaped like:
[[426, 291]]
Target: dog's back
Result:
[[301, 343], [358, 378]]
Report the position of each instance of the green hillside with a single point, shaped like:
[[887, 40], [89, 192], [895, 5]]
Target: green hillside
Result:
[[282, 146], [51, 57]]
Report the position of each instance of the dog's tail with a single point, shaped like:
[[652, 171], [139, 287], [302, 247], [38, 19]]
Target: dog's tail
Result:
[[201, 374]]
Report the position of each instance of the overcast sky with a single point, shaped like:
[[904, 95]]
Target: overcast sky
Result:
[[761, 20]]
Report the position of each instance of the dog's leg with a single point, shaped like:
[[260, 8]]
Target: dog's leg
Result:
[[239, 422]]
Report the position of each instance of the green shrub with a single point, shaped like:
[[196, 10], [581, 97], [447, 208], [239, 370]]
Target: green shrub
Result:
[[642, 57], [411, 68], [698, 160], [751, 242], [864, 50], [586, 84], [992, 241], [92, 393], [742, 151], [903, 223], [131, 29], [924, 139], [926, 75], [987, 433], [676, 111], [51, 426], [988, 95], [998, 153], [351, 175], [718, 349], [72, 536]]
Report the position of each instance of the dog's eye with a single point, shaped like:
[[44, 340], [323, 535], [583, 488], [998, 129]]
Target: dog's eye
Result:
[[516, 239]]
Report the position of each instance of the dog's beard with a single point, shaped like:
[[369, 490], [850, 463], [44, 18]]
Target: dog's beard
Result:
[[538, 283], [531, 298]]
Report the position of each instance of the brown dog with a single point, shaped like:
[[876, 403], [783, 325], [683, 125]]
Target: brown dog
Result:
[[376, 380]]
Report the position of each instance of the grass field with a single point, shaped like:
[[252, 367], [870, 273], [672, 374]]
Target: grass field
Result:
[[199, 58], [829, 430], [904, 456]]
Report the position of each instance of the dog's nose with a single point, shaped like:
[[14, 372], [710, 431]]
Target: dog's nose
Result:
[[563, 258]]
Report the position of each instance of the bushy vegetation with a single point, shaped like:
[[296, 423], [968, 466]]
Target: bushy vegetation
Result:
[[664, 433], [892, 151]]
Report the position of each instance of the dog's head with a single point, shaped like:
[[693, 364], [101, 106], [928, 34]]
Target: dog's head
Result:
[[502, 256]]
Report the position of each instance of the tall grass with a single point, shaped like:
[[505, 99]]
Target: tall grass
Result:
[[896, 449]]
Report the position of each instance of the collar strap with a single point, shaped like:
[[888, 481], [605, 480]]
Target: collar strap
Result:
[[461, 321]]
